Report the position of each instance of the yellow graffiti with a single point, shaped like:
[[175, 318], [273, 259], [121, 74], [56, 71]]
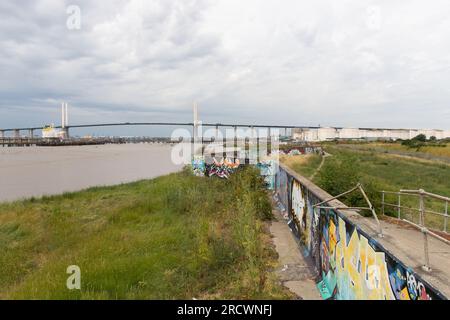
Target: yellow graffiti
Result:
[[404, 295], [332, 244], [361, 272]]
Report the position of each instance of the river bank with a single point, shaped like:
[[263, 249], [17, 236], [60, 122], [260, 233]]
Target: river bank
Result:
[[173, 237]]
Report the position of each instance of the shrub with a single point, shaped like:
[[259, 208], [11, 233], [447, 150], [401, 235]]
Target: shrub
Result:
[[420, 137], [340, 175]]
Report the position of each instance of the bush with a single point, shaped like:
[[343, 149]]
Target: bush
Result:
[[413, 143], [340, 175], [421, 141], [420, 137], [249, 182]]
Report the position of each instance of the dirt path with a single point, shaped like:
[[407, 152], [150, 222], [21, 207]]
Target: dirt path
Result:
[[320, 165]]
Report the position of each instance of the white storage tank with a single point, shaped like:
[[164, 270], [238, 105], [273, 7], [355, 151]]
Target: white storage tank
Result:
[[327, 134], [349, 133]]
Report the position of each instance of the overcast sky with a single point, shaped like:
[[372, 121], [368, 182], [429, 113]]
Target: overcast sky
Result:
[[334, 63]]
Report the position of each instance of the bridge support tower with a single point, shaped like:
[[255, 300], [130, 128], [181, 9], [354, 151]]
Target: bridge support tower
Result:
[[65, 133]]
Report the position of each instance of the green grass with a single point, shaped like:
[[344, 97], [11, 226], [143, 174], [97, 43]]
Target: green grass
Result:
[[174, 237], [394, 173], [377, 171], [439, 152], [305, 165]]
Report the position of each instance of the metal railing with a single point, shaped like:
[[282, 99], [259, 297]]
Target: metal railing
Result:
[[422, 195], [370, 206]]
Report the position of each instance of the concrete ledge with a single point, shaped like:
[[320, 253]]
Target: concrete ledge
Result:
[[400, 244]]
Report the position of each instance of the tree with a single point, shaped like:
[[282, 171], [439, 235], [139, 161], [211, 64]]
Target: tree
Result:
[[421, 137]]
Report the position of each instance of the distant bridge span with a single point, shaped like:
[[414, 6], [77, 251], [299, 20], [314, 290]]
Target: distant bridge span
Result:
[[180, 124], [307, 133]]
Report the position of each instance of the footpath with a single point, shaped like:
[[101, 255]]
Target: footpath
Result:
[[293, 269]]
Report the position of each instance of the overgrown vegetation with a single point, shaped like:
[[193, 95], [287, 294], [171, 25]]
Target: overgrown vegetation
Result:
[[306, 165], [340, 174], [421, 141], [174, 237], [378, 170], [439, 153]]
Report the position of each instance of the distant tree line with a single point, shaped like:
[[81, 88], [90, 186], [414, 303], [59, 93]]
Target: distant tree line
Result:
[[421, 140]]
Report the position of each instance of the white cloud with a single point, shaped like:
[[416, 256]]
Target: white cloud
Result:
[[357, 63]]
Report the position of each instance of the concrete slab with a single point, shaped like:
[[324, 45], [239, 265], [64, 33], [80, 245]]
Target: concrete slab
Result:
[[293, 269]]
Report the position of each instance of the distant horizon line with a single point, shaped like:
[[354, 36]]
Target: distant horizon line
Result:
[[212, 124]]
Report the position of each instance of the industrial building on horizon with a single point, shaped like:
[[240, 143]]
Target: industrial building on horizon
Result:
[[332, 133]]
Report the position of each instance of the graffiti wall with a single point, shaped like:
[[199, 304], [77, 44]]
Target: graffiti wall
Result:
[[281, 181], [268, 169], [198, 166], [298, 150], [350, 264], [223, 168]]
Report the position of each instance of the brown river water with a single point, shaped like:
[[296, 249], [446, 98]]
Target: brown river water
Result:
[[36, 171]]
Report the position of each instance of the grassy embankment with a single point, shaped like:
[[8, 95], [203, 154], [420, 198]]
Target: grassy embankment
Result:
[[427, 152], [379, 170], [177, 236]]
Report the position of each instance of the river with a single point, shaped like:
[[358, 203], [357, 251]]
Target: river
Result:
[[37, 171]]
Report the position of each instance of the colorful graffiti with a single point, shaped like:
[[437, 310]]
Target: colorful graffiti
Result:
[[268, 169], [281, 185], [296, 151], [351, 268], [222, 169], [350, 264], [198, 166], [292, 152], [298, 205]]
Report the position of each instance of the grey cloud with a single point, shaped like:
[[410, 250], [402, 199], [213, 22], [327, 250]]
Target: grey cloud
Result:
[[302, 62]]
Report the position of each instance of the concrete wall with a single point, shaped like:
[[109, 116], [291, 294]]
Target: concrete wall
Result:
[[328, 133], [351, 264]]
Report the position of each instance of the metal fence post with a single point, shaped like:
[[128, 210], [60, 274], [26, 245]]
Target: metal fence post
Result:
[[421, 208], [380, 230], [446, 216], [382, 202], [426, 267], [399, 206]]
